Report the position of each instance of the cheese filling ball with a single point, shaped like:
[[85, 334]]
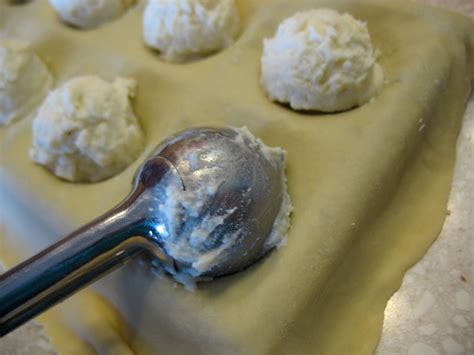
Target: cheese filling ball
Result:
[[320, 60], [90, 13], [86, 131], [187, 29], [24, 80]]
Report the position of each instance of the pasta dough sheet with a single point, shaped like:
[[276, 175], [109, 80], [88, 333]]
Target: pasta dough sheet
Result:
[[369, 186]]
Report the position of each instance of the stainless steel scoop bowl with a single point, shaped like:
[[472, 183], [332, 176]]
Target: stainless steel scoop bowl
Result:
[[252, 188]]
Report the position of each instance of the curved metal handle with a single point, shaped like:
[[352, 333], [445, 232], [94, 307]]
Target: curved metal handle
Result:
[[85, 255], [65, 267]]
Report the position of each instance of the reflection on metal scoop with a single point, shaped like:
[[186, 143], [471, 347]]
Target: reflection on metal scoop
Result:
[[251, 189]]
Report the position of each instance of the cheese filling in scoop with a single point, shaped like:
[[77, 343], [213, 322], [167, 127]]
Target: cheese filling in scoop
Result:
[[229, 206]]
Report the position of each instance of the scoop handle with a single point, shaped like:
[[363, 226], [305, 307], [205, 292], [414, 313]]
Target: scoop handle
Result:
[[65, 267], [82, 257]]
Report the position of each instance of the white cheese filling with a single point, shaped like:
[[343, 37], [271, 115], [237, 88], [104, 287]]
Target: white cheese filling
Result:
[[187, 29], [24, 80], [320, 60], [86, 131]]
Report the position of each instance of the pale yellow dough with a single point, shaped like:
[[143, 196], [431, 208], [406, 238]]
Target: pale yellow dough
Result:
[[369, 186]]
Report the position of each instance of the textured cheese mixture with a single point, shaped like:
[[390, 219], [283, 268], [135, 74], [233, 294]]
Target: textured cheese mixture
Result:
[[188, 29], [90, 13], [24, 80], [86, 130], [191, 229], [320, 60]]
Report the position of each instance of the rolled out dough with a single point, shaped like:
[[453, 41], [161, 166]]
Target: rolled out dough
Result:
[[369, 186]]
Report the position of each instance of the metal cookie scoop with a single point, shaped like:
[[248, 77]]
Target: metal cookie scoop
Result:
[[251, 189]]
